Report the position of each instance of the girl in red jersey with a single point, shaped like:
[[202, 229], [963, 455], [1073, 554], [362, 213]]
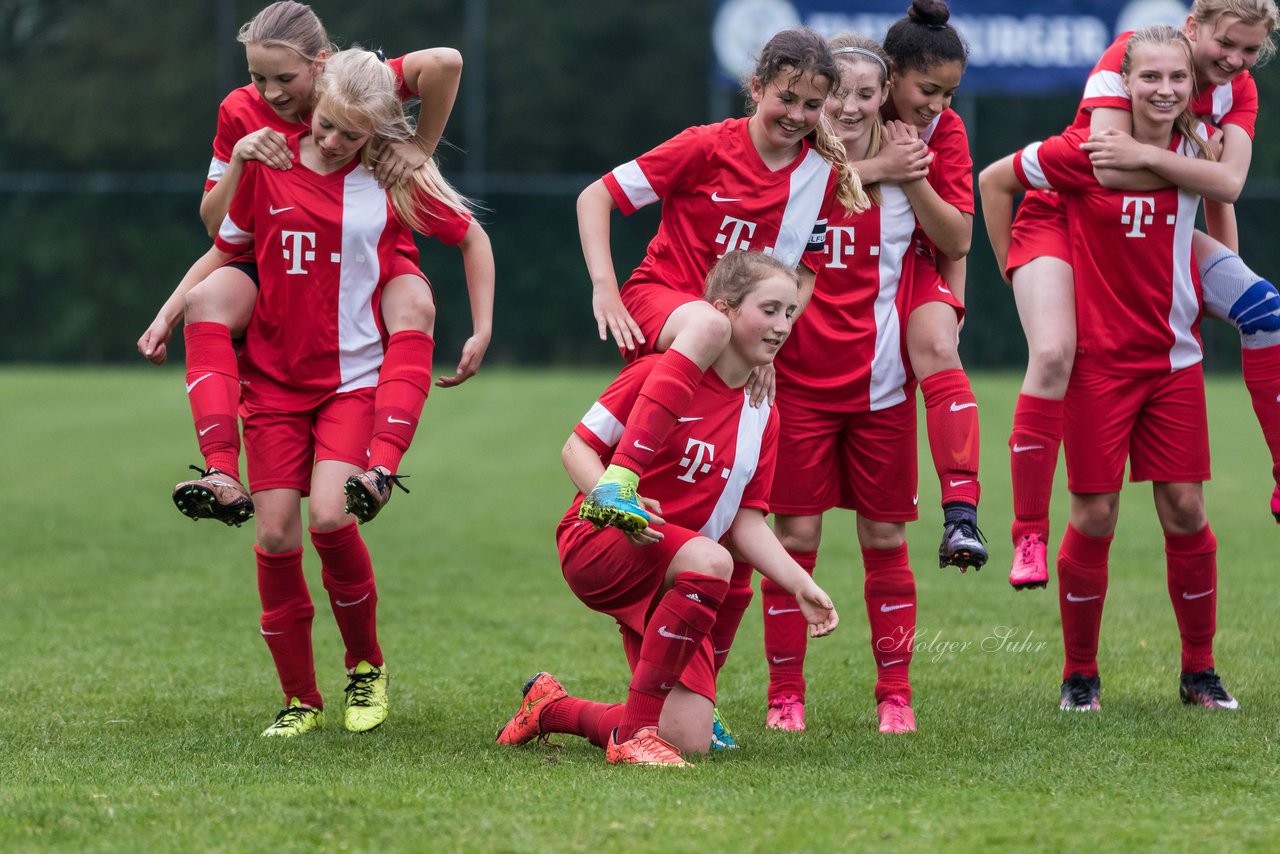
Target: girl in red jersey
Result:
[[1227, 38], [928, 59], [324, 234], [1137, 387], [847, 405], [664, 584], [765, 183], [286, 45]]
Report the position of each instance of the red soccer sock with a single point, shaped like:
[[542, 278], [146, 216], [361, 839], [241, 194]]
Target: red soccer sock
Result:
[[404, 382], [1033, 461], [1262, 377], [679, 624], [213, 389], [951, 417], [347, 572], [1192, 569], [729, 617], [593, 721], [1082, 591], [890, 591], [287, 612], [663, 398], [786, 633]]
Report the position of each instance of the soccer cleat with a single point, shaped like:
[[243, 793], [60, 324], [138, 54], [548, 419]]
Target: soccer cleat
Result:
[[214, 495], [366, 700], [369, 492], [1204, 688], [721, 737], [785, 713], [616, 505], [1081, 694], [295, 719], [1030, 564], [962, 545], [644, 748], [896, 715], [1275, 504], [539, 692]]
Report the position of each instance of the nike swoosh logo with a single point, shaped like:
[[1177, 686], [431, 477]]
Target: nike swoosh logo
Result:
[[665, 687], [642, 447], [206, 430], [197, 382], [783, 659], [266, 633], [944, 290], [773, 612], [1186, 595], [342, 604], [891, 663], [716, 197], [959, 482], [683, 420], [956, 407], [662, 630], [721, 651], [915, 500], [1071, 597], [1021, 449], [391, 420], [274, 210], [886, 607]]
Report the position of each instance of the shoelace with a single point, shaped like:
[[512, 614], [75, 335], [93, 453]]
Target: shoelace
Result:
[[1080, 692], [381, 480], [360, 690], [1211, 684], [970, 530], [291, 715], [1027, 549]]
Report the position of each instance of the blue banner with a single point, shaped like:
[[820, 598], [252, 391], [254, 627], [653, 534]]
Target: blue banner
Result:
[[1028, 47]]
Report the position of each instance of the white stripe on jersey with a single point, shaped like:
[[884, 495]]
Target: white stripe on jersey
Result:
[[632, 180], [746, 457], [897, 223], [1223, 98], [216, 170], [602, 423], [1185, 307], [1031, 167], [1105, 84], [364, 218], [804, 205], [234, 234]]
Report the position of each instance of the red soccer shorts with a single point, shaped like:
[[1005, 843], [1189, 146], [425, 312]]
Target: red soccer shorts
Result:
[[863, 461], [650, 305], [926, 284], [1039, 230], [1157, 422], [624, 581], [281, 448]]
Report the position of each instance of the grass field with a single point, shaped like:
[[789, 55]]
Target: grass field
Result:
[[137, 681]]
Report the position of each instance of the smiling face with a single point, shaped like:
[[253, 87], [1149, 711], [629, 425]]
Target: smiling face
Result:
[[1159, 83], [283, 78], [788, 108], [762, 321], [855, 114], [1224, 47], [918, 96]]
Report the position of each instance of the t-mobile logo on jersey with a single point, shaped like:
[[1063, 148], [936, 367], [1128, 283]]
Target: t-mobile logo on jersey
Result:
[[740, 230], [840, 245], [298, 246], [698, 457], [1136, 216]]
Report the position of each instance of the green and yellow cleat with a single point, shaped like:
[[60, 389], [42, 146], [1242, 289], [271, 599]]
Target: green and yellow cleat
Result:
[[615, 505], [366, 701], [295, 719]]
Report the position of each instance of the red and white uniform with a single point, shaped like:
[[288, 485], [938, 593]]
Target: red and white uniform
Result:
[[1138, 294], [325, 244], [717, 196], [951, 176]]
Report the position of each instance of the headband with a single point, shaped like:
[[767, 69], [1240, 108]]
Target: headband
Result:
[[862, 51]]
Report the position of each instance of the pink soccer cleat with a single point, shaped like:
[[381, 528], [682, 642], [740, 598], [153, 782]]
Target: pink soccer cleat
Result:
[[895, 715], [539, 692], [785, 713], [1030, 564], [644, 748]]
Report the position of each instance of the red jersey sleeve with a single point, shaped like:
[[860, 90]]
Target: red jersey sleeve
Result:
[[602, 426], [757, 492], [1105, 88], [224, 141], [441, 221], [656, 173], [403, 92], [951, 173], [235, 235], [1243, 111], [1058, 163]]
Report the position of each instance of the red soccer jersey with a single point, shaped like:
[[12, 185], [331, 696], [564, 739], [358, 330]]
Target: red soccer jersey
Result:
[[1137, 292], [720, 456], [1233, 104], [717, 196], [951, 173], [243, 112], [322, 244], [845, 352]]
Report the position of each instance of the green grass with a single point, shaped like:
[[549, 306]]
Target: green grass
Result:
[[136, 681]]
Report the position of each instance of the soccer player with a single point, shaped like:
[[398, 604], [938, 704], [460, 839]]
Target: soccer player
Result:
[[286, 45], [1137, 387], [323, 234], [1227, 38], [706, 492], [847, 404], [765, 183]]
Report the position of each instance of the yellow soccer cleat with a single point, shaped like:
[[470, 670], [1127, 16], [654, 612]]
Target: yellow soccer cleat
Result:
[[366, 702]]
